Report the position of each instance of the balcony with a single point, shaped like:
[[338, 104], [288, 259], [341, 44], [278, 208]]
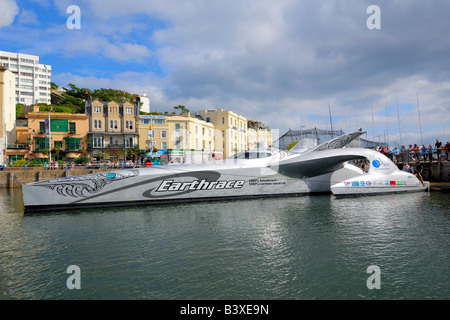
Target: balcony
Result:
[[111, 146], [17, 146]]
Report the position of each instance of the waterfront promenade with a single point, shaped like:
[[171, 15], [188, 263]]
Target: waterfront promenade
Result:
[[436, 172]]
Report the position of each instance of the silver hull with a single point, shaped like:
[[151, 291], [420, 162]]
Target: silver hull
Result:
[[268, 173], [163, 185]]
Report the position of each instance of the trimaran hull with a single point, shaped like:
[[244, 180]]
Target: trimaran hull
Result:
[[275, 174]]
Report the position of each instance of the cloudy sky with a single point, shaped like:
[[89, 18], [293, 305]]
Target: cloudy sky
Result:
[[286, 63]]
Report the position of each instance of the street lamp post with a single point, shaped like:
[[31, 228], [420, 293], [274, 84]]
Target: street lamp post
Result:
[[301, 133]]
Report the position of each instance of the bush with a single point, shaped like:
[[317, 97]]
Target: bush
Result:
[[82, 160], [20, 163], [36, 163]]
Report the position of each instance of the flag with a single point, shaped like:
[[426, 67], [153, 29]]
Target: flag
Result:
[[47, 127]]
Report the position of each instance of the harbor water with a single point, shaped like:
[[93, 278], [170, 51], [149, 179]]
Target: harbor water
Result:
[[313, 247]]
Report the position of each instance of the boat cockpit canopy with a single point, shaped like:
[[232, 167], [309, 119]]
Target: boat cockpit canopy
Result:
[[249, 154]]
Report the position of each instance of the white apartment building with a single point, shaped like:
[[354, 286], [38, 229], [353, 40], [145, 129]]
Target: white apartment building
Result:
[[32, 78], [7, 111]]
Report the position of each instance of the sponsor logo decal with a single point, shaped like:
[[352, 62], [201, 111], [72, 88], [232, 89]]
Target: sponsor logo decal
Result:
[[355, 183], [347, 183], [111, 175], [368, 183], [392, 183], [377, 164]]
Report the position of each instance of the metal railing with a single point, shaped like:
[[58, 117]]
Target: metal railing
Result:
[[85, 166]]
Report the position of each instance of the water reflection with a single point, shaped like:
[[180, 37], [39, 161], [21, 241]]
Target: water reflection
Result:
[[285, 248]]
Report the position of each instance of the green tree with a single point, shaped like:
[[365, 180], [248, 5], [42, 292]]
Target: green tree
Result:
[[181, 108], [291, 145], [19, 109]]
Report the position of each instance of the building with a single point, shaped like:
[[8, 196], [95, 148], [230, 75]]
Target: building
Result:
[[7, 111], [32, 79], [259, 134], [153, 132], [145, 103], [64, 139], [231, 134], [186, 137], [113, 129]]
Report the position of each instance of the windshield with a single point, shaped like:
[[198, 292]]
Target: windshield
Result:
[[252, 155]]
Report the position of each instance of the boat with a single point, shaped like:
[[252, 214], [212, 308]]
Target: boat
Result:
[[260, 172], [382, 177]]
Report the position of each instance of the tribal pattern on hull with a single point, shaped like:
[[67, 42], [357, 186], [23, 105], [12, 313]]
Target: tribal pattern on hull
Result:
[[85, 185]]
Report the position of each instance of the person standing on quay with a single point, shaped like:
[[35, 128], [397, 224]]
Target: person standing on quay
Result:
[[438, 146], [430, 152], [419, 170], [405, 154], [447, 150]]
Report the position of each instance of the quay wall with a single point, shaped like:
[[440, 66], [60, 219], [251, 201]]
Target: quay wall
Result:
[[433, 172]]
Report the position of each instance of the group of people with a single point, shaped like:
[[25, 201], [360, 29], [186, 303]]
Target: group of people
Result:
[[54, 165], [415, 153]]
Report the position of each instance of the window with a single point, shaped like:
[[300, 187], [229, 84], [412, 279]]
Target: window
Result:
[[223, 120], [72, 127], [163, 144], [128, 110], [115, 124], [73, 144], [178, 143], [97, 142], [159, 121], [163, 134], [41, 143], [97, 109], [177, 127], [42, 126], [26, 60], [95, 124], [111, 124], [208, 119], [129, 124]]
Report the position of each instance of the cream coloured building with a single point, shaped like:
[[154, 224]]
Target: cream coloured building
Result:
[[7, 110], [231, 131], [153, 132], [112, 128], [184, 136], [259, 134]]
